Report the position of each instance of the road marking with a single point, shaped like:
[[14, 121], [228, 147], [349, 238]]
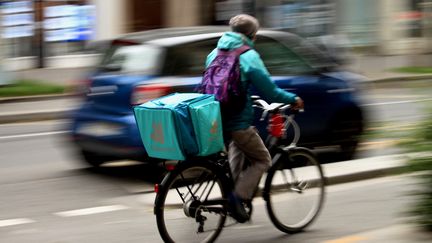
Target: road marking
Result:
[[247, 227], [397, 102], [11, 222], [348, 239], [32, 135], [88, 211]]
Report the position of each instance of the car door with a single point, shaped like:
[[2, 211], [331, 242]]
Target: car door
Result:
[[293, 73]]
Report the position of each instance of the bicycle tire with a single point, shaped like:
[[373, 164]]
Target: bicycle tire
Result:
[[187, 213], [283, 216]]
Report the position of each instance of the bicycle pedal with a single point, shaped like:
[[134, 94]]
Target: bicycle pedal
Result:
[[200, 229], [296, 189]]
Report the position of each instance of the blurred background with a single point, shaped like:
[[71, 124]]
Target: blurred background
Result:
[[48, 45], [60, 33]]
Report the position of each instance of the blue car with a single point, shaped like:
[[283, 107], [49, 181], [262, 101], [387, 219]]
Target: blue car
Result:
[[142, 66]]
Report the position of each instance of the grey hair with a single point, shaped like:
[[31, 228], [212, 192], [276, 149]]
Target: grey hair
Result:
[[245, 24]]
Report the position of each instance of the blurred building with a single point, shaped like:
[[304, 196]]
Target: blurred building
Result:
[[57, 33], [388, 27]]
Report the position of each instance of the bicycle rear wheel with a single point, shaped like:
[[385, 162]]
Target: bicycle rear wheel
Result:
[[294, 190], [191, 203]]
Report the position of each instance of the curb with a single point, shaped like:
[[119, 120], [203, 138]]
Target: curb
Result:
[[34, 116], [397, 167], [35, 98], [346, 171]]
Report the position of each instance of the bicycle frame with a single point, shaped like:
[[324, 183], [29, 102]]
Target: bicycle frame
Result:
[[194, 192], [277, 119]]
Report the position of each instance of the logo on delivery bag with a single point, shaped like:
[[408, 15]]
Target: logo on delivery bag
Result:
[[157, 134], [214, 128]]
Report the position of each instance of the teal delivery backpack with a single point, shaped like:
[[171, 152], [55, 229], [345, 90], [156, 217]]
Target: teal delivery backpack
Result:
[[180, 125]]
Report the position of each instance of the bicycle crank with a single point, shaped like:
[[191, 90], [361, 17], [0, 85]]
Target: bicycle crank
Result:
[[299, 186]]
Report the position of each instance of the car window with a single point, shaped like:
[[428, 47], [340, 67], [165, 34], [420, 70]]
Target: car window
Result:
[[279, 59], [132, 58], [315, 57], [188, 59]]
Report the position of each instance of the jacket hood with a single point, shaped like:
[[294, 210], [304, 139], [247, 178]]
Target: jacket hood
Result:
[[231, 40]]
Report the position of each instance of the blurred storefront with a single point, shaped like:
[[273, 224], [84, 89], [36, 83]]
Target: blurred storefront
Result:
[[53, 33], [406, 26], [35, 33], [57, 33], [388, 27]]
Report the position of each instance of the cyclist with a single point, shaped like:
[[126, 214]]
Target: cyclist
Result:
[[244, 139]]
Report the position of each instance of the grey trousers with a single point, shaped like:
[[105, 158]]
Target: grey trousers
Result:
[[247, 144]]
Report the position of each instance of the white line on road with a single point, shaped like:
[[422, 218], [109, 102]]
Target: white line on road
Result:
[[247, 227], [32, 135], [88, 211], [11, 222], [397, 102]]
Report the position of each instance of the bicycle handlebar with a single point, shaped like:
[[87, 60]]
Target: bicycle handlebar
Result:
[[260, 103], [272, 108], [278, 108]]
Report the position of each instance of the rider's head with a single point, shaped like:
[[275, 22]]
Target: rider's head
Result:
[[245, 24]]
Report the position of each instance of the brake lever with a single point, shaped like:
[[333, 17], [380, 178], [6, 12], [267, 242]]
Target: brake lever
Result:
[[255, 97], [264, 115]]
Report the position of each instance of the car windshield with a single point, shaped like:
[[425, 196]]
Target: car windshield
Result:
[[132, 58]]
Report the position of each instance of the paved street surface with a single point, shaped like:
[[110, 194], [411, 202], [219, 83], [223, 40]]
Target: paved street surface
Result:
[[83, 207], [47, 195]]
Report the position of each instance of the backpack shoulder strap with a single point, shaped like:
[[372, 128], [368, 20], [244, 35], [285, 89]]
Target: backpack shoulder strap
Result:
[[242, 49], [238, 51]]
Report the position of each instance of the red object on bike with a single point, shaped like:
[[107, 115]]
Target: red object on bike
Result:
[[169, 167], [276, 125]]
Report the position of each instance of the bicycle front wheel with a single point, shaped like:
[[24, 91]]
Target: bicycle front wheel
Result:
[[294, 190], [191, 203]]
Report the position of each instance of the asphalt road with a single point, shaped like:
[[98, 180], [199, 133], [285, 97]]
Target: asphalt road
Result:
[[48, 196], [75, 205]]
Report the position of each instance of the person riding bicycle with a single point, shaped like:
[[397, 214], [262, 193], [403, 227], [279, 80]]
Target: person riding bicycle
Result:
[[244, 141]]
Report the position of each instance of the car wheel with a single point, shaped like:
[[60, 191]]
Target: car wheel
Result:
[[346, 130], [93, 159]]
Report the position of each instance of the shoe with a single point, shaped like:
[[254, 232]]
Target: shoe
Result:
[[238, 211]]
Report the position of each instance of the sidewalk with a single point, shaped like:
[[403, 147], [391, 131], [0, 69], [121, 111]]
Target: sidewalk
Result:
[[36, 108], [379, 67]]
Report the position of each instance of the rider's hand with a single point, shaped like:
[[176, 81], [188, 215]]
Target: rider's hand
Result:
[[299, 104]]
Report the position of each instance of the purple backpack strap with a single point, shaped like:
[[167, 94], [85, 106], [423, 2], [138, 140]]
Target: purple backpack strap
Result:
[[242, 49], [238, 51]]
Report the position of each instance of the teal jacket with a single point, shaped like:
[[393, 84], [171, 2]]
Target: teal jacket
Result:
[[253, 72]]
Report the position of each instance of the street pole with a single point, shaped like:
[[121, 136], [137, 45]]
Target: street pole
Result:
[[427, 23], [39, 33]]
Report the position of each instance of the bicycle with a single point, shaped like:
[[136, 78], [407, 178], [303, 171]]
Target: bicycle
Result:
[[194, 192]]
